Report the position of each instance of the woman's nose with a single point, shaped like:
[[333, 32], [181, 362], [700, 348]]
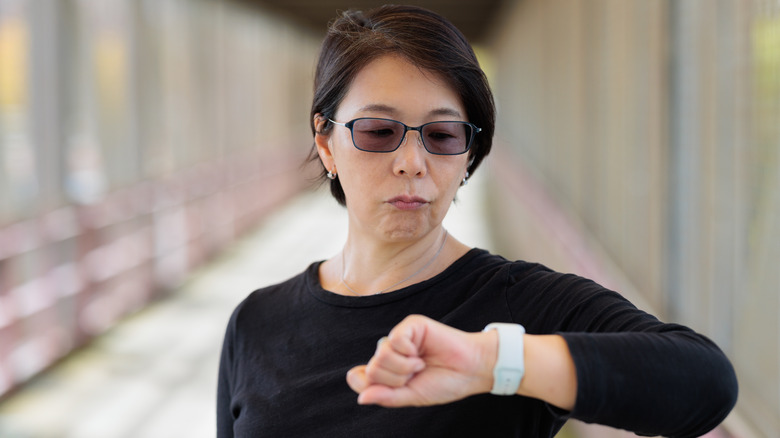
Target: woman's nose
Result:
[[410, 156]]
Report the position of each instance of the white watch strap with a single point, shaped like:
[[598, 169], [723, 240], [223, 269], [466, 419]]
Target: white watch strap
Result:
[[510, 365]]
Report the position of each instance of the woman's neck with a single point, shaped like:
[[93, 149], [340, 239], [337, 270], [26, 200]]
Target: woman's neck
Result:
[[372, 266]]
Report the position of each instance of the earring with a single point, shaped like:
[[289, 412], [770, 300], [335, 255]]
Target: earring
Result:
[[465, 179], [331, 175]]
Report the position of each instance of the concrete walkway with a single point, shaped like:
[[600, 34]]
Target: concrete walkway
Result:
[[154, 374]]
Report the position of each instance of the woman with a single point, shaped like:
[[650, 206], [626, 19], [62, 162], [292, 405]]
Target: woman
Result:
[[402, 116]]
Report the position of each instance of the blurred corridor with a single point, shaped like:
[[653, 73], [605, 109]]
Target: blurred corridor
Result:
[[155, 374], [150, 168]]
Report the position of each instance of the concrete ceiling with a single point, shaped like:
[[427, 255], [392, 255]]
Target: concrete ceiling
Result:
[[472, 17]]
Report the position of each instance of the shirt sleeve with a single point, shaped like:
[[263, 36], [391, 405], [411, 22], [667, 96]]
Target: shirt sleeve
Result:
[[225, 382], [634, 372]]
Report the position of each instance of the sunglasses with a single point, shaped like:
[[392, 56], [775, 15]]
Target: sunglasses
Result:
[[371, 134]]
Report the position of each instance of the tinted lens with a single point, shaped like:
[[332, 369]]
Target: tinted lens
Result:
[[377, 135], [446, 138]]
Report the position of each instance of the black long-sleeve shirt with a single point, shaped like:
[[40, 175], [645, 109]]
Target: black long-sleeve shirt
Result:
[[288, 347]]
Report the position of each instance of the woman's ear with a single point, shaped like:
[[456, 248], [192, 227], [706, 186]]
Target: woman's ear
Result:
[[322, 141]]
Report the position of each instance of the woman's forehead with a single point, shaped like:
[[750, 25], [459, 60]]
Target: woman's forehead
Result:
[[392, 86]]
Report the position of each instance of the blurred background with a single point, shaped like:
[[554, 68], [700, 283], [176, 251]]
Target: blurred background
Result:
[[150, 161]]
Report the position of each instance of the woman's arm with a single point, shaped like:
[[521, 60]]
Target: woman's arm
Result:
[[673, 383]]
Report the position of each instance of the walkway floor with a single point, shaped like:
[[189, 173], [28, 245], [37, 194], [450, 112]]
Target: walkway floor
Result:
[[154, 374]]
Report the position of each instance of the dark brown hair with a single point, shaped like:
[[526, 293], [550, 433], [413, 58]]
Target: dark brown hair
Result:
[[425, 39]]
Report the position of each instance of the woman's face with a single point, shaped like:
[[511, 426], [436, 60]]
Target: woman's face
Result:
[[404, 194]]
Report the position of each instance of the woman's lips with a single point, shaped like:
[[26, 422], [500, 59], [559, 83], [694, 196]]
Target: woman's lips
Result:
[[407, 202]]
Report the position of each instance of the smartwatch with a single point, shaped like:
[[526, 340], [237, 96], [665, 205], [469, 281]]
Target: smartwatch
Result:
[[510, 365]]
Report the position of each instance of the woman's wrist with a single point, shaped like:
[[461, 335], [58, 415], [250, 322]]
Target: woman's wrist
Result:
[[549, 369], [488, 355], [550, 373]]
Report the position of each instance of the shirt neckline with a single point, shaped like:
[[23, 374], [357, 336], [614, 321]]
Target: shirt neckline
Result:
[[316, 290]]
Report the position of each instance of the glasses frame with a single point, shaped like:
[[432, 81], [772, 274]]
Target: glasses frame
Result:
[[350, 124]]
